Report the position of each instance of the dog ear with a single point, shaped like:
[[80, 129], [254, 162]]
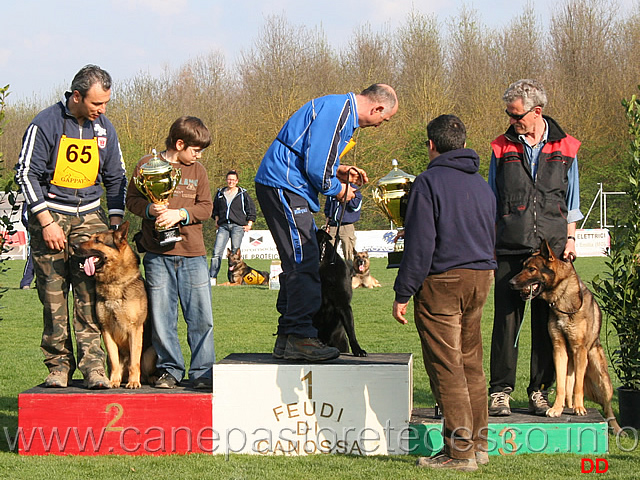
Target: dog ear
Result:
[[546, 251], [121, 233]]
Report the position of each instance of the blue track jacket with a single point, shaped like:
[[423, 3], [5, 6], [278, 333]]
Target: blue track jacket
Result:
[[305, 155]]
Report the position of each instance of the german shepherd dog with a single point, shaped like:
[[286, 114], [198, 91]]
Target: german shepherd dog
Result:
[[360, 274], [574, 327], [334, 320], [121, 306], [242, 274]]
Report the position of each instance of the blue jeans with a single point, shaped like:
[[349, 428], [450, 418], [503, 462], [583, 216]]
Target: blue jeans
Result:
[[226, 230], [170, 278]]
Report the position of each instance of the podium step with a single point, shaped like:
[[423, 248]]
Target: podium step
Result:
[[353, 405], [520, 433], [146, 421]]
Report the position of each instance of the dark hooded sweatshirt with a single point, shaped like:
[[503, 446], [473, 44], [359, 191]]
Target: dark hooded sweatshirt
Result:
[[449, 224]]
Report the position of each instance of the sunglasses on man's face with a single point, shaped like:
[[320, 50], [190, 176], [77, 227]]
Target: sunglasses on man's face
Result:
[[519, 116]]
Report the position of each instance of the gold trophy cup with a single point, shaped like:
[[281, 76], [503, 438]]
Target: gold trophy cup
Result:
[[157, 180], [391, 194]]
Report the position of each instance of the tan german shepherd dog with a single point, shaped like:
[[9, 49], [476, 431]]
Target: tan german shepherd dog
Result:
[[360, 271], [121, 306], [574, 327]]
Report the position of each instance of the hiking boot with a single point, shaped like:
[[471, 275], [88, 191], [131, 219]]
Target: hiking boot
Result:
[[539, 402], [278, 348], [166, 380], [442, 460], [57, 379], [309, 349], [499, 404], [202, 384], [482, 458], [97, 380]]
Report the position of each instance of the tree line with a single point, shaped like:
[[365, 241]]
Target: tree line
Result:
[[585, 53]]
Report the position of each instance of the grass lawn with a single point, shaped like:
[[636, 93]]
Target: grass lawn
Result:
[[244, 321]]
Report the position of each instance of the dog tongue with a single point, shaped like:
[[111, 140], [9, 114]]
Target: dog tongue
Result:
[[89, 265], [361, 268]]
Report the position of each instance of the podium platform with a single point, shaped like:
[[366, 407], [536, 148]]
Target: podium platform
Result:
[[264, 406], [147, 421], [521, 432], [352, 405]]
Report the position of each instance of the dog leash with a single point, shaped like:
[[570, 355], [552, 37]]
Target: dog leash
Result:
[[527, 302], [572, 258], [343, 204]]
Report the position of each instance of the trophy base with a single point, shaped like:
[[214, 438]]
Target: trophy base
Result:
[[394, 259], [167, 237]]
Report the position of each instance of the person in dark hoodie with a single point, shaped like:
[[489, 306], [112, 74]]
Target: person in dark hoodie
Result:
[[447, 267]]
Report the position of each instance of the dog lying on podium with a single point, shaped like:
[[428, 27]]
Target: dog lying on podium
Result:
[[334, 320], [574, 327], [121, 306]]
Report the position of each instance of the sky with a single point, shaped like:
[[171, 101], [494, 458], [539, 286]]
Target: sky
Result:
[[43, 43]]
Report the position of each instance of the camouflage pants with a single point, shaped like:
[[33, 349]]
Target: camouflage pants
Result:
[[55, 272]]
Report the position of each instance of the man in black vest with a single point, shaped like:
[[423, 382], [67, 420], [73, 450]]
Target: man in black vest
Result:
[[534, 175]]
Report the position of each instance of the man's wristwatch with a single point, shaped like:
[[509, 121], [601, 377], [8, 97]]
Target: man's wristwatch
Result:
[[183, 215]]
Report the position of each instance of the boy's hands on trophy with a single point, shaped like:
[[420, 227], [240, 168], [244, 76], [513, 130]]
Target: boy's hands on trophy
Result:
[[168, 218], [157, 209], [349, 174]]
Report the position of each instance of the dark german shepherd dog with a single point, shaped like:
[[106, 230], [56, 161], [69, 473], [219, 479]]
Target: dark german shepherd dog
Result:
[[242, 274], [574, 327], [334, 320], [121, 306]]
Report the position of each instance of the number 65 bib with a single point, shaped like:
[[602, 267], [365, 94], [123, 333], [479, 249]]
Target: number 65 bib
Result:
[[77, 163]]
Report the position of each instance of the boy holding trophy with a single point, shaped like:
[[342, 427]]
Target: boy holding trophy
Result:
[[176, 265]]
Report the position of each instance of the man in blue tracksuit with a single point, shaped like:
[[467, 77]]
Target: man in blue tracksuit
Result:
[[304, 160]]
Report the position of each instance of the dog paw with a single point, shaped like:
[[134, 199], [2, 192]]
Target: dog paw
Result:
[[133, 385], [579, 410], [360, 353], [554, 412], [115, 383]]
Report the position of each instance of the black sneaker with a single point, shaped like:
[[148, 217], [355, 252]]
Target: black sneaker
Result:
[[444, 461], [539, 402], [166, 380], [499, 403], [309, 349], [202, 384], [278, 348]]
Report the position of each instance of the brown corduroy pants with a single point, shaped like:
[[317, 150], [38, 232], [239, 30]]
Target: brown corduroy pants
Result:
[[448, 313]]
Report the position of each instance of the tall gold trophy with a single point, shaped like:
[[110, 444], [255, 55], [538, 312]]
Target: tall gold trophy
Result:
[[391, 194], [157, 180]]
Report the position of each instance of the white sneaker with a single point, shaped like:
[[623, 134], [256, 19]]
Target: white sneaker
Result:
[[212, 281]]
